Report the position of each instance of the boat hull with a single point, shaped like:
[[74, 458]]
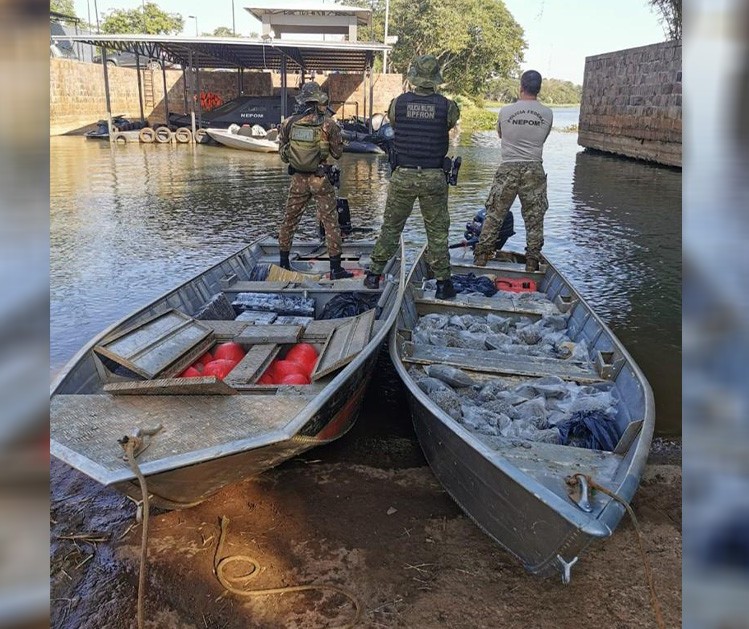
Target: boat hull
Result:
[[190, 485], [517, 495], [243, 143], [180, 479]]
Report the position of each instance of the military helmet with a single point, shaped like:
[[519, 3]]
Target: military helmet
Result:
[[424, 71], [312, 93]]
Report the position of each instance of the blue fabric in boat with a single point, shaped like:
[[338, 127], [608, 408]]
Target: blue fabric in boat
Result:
[[589, 429]]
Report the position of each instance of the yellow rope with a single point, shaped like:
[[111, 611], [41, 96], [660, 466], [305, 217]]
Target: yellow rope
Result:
[[646, 562], [221, 564]]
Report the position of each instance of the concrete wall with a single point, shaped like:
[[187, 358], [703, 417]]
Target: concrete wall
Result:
[[631, 103], [76, 92]]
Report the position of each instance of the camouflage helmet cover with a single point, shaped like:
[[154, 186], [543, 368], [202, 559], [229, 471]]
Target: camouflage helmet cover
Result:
[[312, 93], [424, 71]]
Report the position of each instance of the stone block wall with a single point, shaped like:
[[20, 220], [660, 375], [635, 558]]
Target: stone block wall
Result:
[[77, 101], [631, 103]]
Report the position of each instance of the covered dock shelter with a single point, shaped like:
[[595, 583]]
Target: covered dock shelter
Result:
[[194, 54]]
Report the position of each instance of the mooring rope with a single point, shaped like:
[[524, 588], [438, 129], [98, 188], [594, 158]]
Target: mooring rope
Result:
[[645, 561], [129, 444], [220, 565]]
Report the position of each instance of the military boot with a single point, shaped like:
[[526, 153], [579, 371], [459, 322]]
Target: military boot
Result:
[[480, 259], [372, 281], [284, 260], [531, 264], [337, 272], [445, 289]]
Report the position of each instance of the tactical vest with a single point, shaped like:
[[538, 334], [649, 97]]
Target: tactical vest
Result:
[[421, 133], [305, 151]]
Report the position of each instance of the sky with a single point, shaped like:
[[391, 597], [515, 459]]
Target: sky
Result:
[[559, 33]]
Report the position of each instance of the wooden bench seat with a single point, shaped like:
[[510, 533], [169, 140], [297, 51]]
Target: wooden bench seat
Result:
[[495, 362]]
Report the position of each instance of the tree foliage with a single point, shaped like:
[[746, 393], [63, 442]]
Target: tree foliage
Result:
[[62, 6], [670, 16], [553, 91], [222, 31], [155, 21], [474, 40]]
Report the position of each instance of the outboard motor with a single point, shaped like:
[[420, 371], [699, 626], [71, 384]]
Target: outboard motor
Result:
[[344, 219], [474, 226]]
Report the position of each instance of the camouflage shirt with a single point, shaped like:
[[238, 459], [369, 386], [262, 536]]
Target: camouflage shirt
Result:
[[331, 132]]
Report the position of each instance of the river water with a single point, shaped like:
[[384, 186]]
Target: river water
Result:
[[128, 222]]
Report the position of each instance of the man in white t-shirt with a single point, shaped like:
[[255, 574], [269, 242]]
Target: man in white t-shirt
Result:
[[523, 128]]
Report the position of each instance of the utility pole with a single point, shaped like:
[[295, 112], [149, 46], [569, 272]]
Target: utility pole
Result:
[[233, 23], [145, 24], [385, 53], [96, 10]]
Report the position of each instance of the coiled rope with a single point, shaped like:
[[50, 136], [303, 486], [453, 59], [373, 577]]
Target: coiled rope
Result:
[[219, 566]]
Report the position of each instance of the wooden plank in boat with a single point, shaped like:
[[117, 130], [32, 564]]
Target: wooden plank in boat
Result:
[[226, 329], [509, 305], [205, 385], [254, 363], [160, 347], [321, 329], [257, 287], [279, 334], [343, 344], [479, 360]]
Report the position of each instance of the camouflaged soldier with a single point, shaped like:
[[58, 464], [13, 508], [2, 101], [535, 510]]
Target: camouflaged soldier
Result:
[[306, 140], [421, 120], [523, 128]]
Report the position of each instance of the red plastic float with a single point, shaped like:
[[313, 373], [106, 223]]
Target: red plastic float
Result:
[[205, 358], [229, 351], [219, 368], [190, 372], [304, 354], [295, 378]]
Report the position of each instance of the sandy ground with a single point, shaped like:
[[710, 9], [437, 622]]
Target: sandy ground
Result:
[[364, 514]]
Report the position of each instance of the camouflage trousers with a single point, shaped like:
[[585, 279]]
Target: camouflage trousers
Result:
[[528, 181], [306, 186], [430, 188]]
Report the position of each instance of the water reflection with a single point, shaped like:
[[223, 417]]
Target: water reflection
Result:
[[625, 238], [130, 222]]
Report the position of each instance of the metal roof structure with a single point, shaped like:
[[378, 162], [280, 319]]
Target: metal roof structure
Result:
[[271, 7], [238, 52]]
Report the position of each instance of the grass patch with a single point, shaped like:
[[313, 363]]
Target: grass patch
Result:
[[477, 119]]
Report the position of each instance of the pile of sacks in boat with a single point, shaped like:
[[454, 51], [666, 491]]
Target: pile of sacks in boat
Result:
[[523, 337], [546, 409]]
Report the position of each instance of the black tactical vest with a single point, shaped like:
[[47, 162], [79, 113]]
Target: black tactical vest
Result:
[[421, 133]]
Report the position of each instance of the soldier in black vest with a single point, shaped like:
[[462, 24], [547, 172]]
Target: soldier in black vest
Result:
[[421, 120]]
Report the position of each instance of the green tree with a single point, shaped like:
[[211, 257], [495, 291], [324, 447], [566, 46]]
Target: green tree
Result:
[[222, 31], [553, 91], [62, 6], [670, 16], [155, 21], [474, 40]]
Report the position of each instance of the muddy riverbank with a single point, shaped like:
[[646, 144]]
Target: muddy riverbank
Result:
[[364, 514]]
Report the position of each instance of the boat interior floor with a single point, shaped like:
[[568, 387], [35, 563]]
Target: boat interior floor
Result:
[[90, 425], [550, 464]]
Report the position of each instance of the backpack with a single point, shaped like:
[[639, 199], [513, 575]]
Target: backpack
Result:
[[303, 152]]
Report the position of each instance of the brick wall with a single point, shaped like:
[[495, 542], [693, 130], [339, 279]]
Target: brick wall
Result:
[[76, 91], [631, 103]]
